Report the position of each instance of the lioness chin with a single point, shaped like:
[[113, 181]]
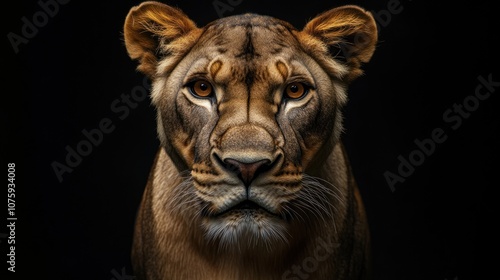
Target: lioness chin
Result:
[[251, 180]]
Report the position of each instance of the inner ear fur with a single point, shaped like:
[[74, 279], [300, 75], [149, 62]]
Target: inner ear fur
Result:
[[148, 31], [349, 33]]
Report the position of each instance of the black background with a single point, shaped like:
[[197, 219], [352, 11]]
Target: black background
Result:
[[436, 224]]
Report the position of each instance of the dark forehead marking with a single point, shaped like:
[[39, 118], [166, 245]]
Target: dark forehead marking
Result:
[[248, 50], [254, 20], [249, 22]]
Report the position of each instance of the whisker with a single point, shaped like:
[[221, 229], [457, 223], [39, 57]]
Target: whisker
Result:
[[322, 188], [317, 197], [291, 213], [319, 182], [318, 192], [322, 199], [311, 206], [316, 184], [184, 200]]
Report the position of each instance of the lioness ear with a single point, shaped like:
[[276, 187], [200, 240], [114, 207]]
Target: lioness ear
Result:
[[350, 34], [150, 28]]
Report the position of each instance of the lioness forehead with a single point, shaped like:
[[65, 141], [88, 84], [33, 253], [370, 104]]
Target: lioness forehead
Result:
[[249, 36], [246, 48]]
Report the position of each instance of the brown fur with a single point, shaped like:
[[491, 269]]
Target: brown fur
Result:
[[250, 184]]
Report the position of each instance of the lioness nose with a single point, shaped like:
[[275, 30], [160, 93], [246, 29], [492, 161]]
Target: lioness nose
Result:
[[247, 171]]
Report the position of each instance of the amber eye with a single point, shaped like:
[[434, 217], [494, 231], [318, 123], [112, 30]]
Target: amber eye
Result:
[[295, 90], [201, 88]]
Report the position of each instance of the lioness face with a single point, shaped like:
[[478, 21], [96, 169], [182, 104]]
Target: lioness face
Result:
[[245, 106], [255, 109]]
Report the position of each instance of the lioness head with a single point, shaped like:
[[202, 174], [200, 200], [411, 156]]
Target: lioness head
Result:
[[249, 107]]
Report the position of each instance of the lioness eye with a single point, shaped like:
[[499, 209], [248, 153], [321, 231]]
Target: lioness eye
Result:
[[295, 90], [201, 88]]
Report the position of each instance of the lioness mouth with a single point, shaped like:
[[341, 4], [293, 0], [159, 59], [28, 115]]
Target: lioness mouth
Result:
[[246, 206]]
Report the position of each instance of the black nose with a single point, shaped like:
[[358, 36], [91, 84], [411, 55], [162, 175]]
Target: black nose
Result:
[[247, 171]]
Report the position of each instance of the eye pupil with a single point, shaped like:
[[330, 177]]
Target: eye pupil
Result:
[[201, 88], [295, 90]]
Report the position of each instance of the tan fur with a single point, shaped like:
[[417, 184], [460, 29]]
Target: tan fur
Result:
[[248, 183]]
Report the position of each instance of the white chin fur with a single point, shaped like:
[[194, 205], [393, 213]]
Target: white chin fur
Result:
[[247, 230]]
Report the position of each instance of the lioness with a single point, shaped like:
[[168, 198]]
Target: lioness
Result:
[[251, 180]]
